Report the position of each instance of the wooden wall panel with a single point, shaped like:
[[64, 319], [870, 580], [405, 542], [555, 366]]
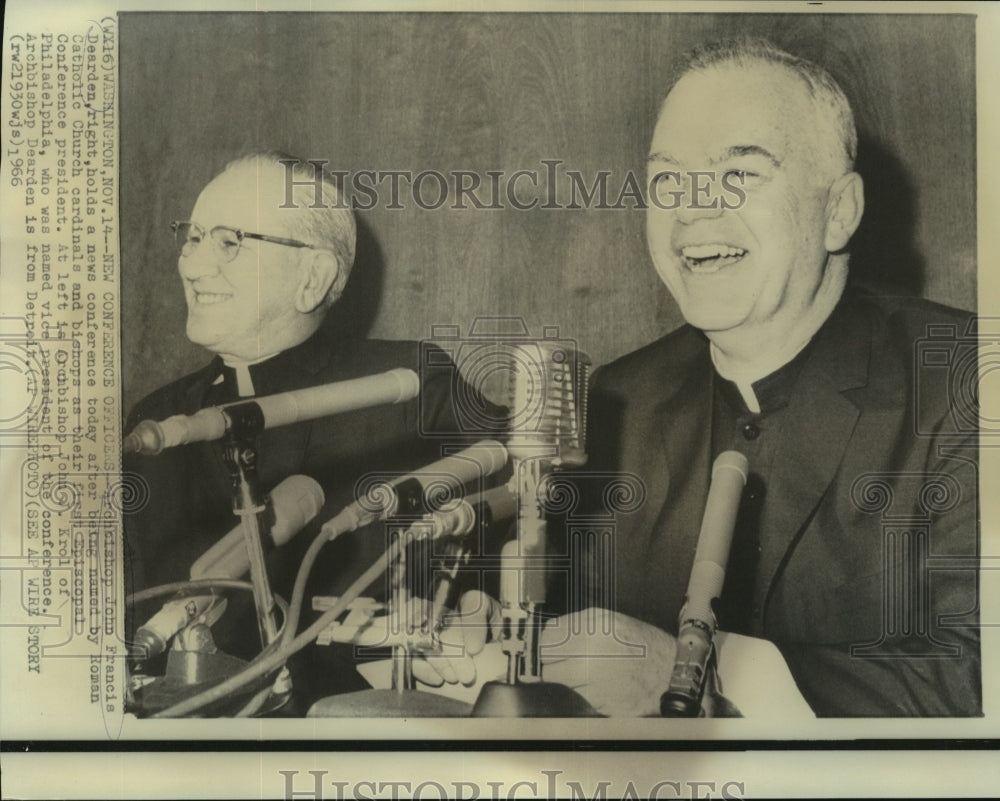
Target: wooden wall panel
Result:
[[485, 92]]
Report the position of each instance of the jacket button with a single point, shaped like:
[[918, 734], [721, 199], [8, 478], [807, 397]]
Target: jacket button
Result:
[[750, 431]]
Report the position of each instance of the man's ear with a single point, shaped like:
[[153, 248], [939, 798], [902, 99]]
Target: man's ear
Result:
[[320, 271], [844, 207]]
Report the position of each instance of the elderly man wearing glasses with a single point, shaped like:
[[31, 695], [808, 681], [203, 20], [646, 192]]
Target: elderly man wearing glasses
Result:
[[261, 272], [250, 295]]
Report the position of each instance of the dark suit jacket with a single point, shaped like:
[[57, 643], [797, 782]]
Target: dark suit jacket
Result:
[[873, 485]]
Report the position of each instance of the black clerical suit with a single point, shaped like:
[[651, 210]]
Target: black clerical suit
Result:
[[857, 539], [189, 501]]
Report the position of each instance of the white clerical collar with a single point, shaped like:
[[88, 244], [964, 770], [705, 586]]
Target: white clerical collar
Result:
[[745, 373], [244, 381]]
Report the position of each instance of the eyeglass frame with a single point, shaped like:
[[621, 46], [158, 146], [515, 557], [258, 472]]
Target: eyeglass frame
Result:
[[240, 236]]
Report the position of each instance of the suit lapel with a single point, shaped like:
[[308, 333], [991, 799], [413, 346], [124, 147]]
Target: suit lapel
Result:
[[196, 392], [674, 465], [814, 438], [685, 423]]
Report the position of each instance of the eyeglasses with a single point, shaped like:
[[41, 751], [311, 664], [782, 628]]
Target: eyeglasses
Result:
[[188, 235]]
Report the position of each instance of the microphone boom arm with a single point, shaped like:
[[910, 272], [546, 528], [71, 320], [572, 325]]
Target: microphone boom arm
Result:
[[394, 386]]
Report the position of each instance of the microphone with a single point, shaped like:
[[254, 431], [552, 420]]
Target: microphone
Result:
[[449, 474], [547, 393], [697, 620], [152, 637], [395, 386], [294, 502], [482, 507]]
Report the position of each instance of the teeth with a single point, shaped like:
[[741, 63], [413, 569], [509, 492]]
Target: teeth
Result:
[[210, 297], [710, 251]]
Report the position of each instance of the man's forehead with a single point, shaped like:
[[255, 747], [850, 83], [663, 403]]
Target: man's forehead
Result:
[[727, 110], [244, 195], [752, 83]]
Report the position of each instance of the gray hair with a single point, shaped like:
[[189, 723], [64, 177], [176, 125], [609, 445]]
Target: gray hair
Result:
[[321, 217], [826, 95]]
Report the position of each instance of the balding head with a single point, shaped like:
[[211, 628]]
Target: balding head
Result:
[[831, 120]]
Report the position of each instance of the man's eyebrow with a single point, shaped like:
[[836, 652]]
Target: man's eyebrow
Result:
[[734, 151], [749, 150], [660, 156]]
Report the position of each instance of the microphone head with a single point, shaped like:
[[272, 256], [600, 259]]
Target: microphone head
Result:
[[731, 460], [296, 501], [146, 438], [547, 396], [408, 384]]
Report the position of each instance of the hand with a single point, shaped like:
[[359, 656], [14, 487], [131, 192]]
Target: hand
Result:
[[462, 637], [617, 663]]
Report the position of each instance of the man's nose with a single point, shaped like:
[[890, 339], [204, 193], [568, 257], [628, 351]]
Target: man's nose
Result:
[[702, 198], [202, 262]]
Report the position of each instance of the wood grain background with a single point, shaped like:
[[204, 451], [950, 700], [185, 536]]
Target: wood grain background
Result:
[[485, 92]]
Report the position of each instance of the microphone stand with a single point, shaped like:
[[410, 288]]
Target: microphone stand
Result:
[[245, 424], [194, 662], [549, 399], [240, 451], [403, 699], [522, 592], [399, 618]]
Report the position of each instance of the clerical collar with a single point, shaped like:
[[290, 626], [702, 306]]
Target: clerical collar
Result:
[[745, 374], [743, 377], [269, 374], [241, 372]]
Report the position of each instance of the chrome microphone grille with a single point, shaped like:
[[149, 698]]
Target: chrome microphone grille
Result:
[[547, 395]]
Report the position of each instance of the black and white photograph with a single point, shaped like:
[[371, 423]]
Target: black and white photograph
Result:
[[582, 378]]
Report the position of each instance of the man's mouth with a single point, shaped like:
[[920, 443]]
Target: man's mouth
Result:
[[712, 257], [208, 298]]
